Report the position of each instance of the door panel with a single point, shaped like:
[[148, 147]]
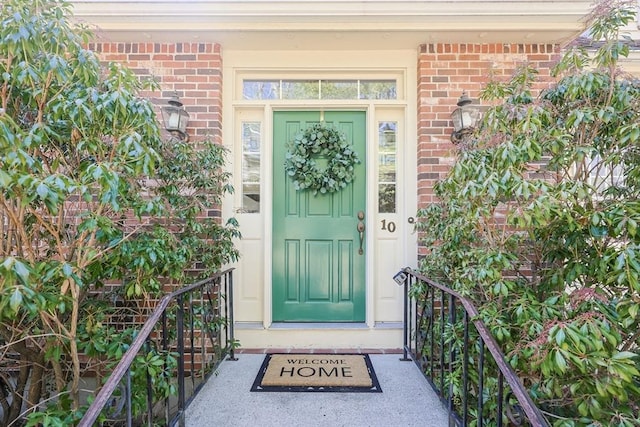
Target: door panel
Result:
[[318, 272]]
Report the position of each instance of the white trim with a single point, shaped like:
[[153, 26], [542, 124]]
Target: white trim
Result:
[[369, 10], [267, 230], [357, 64], [351, 24], [369, 204]]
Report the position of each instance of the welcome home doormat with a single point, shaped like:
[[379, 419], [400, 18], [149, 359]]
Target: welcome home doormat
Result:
[[317, 372]]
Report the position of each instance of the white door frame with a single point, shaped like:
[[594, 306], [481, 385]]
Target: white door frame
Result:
[[363, 65]]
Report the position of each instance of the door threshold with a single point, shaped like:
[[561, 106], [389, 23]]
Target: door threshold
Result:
[[317, 325]]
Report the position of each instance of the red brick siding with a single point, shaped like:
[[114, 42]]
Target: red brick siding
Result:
[[444, 72], [193, 70]]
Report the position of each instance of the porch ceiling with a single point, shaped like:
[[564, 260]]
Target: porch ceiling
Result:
[[334, 24]]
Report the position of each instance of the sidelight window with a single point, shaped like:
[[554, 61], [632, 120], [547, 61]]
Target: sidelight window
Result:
[[387, 168], [251, 136]]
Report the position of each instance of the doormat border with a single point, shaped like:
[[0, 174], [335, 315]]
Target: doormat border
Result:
[[375, 387]]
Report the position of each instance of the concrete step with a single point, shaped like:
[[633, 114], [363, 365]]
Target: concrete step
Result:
[[406, 400]]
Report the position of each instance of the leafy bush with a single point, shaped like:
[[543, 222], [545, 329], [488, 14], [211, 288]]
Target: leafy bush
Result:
[[538, 224], [91, 195]]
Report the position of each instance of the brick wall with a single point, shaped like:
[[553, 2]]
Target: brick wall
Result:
[[193, 70], [444, 72]]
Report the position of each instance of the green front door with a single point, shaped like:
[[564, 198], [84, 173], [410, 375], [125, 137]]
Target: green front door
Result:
[[318, 268]]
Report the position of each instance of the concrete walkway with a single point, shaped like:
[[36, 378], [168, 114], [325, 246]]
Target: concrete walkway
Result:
[[406, 400]]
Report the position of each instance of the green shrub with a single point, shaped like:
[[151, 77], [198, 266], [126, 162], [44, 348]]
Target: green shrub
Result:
[[90, 194], [538, 224]]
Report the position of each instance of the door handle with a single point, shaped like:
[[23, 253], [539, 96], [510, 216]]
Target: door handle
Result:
[[360, 229], [361, 232]]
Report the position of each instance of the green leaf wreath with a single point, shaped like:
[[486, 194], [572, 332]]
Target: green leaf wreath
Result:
[[320, 141]]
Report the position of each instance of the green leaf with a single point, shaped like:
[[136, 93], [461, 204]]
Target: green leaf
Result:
[[633, 310], [21, 270], [624, 355], [560, 362], [5, 179], [42, 190], [15, 300], [632, 227]]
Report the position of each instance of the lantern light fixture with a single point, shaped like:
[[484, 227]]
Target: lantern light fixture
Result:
[[175, 117], [465, 118]]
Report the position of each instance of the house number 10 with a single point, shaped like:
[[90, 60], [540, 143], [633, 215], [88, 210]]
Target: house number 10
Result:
[[389, 226]]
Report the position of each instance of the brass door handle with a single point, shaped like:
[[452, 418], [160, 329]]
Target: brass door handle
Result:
[[361, 233]]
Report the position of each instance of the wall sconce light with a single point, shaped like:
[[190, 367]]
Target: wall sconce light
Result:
[[175, 117], [465, 118]]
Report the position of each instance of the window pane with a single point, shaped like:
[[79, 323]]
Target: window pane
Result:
[[260, 89], [337, 89], [319, 89], [387, 167], [387, 198], [387, 133], [250, 198], [300, 89], [378, 89], [251, 166]]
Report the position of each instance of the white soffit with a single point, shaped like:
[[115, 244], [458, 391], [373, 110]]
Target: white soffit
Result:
[[334, 24]]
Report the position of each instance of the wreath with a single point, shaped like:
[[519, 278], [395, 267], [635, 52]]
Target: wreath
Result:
[[320, 141]]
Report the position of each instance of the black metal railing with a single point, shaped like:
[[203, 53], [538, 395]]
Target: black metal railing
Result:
[[460, 358], [185, 338]]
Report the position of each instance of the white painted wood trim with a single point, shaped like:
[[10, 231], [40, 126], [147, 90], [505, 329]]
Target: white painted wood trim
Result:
[[249, 24]]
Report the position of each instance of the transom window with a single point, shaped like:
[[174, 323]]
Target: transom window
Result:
[[319, 89]]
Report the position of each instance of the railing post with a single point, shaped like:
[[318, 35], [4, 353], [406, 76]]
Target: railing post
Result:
[[231, 343], [405, 327], [127, 387], [465, 371], [192, 341], [432, 337], [500, 398], [203, 334], [442, 327], [149, 390], [180, 339], [480, 381], [165, 347], [414, 323], [452, 351]]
